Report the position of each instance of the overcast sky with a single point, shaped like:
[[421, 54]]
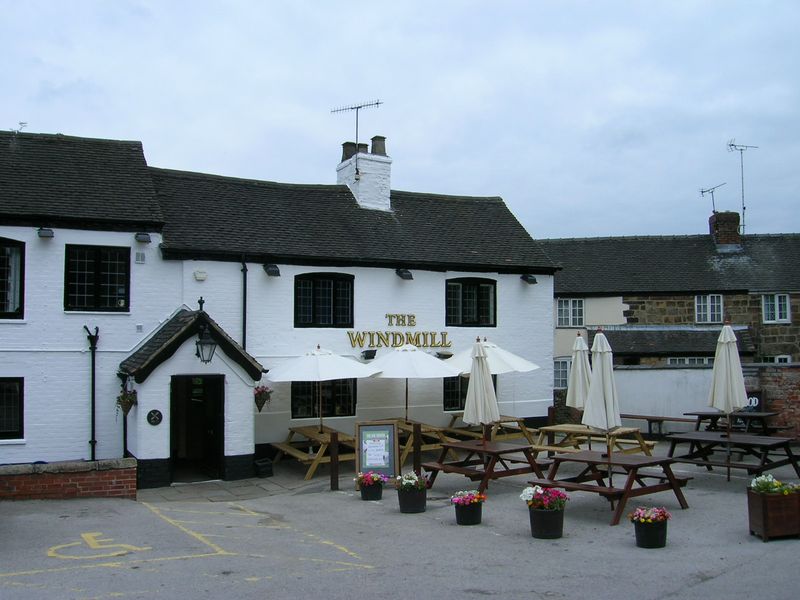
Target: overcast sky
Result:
[[589, 118]]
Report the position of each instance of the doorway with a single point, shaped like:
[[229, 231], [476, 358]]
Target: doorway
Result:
[[197, 427]]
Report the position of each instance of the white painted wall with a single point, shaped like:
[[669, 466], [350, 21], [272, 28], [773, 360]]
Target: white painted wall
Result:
[[596, 312]]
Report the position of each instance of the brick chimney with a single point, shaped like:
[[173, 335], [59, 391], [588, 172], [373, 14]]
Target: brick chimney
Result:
[[724, 228], [367, 174]]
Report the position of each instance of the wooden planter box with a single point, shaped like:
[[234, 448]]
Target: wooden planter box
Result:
[[773, 515]]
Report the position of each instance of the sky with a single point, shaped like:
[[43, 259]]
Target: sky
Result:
[[588, 118]]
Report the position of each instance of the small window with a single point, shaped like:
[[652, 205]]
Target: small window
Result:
[[11, 408], [470, 302], [775, 308], [570, 312], [708, 308], [455, 392], [97, 278], [690, 360], [561, 368], [783, 359], [323, 300], [12, 278], [338, 398]]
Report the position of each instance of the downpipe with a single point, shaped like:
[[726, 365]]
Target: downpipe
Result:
[[93, 337]]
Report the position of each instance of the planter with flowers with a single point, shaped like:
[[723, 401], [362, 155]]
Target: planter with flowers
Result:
[[412, 492], [546, 511], [262, 395], [126, 400], [651, 526], [469, 505], [371, 484], [773, 508]]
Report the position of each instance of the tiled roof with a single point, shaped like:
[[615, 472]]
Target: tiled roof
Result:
[[48, 180], [210, 216], [184, 325], [670, 264], [653, 341]]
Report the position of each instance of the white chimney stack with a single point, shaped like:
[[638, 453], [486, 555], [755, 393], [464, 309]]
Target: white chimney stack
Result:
[[367, 174]]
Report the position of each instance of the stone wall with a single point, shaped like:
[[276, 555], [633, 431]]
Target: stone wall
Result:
[[780, 389], [113, 478]]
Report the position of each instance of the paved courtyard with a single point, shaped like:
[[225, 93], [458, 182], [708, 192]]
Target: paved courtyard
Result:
[[282, 537]]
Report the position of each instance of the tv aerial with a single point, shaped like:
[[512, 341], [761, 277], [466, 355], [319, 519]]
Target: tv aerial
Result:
[[357, 108], [740, 148], [710, 190]]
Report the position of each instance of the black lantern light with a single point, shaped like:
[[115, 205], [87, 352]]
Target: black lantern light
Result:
[[206, 346]]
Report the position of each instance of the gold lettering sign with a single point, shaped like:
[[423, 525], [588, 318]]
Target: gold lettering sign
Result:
[[394, 339]]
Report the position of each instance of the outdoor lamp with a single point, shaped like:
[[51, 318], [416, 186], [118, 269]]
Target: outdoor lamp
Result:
[[368, 354], [142, 237], [528, 278], [404, 274], [45, 233], [206, 346], [272, 270]]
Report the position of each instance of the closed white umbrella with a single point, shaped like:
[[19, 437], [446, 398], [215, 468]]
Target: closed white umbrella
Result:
[[499, 360], [579, 375], [480, 407], [601, 410], [727, 380], [320, 365], [409, 362]]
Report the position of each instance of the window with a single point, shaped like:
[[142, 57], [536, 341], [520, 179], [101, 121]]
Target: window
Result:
[[338, 398], [323, 300], [12, 263], [561, 368], [783, 359], [775, 308], [455, 392], [11, 421], [570, 312], [691, 360], [470, 302], [708, 309], [97, 278]]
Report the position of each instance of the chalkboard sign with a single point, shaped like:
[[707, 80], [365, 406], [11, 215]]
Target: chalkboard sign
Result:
[[377, 448]]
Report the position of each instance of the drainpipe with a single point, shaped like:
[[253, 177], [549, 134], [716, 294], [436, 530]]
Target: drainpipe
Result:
[[244, 304], [93, 337]]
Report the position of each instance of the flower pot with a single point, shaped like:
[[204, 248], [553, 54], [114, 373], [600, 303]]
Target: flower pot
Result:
[[371, 492], [546, 524], [651, 535], [412, 501], [773, 515], [469, 514]]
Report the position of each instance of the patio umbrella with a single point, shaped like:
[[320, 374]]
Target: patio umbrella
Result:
[[579, 374], [727, 380], [409, 362], [480, 407], [601, 410], [320, 365], [499, 360]]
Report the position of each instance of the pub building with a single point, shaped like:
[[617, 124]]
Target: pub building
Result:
[[186, 288]]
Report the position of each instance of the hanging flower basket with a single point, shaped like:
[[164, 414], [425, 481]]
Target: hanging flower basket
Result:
[[262, 395], [126, 400]]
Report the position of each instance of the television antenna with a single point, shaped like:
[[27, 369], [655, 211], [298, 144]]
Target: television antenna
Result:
[[357, 108], [711, 191], [22, 125], [740, 148]]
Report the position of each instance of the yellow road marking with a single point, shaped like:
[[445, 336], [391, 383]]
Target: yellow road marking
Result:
[[199, 537], [92, 539]]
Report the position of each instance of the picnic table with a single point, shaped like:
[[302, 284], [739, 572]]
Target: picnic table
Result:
[[313, 447], [751, 421], [705, 446], [431, 437], [600, 466], [627, 440], [485, 460], [506, 428]]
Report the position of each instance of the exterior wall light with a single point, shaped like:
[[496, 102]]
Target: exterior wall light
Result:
[[143, 237], [528, 278], [206, 346], [45, 233], [368, 354], [272, 270], [404, 274]]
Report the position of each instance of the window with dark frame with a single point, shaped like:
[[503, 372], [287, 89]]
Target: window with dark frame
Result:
[[471, 302], [12, 278], [97, 278], [11, 408], [338, 398], [455, 392], [323, 300]]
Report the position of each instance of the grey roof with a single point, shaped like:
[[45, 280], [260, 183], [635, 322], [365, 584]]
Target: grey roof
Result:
[[223, 218], [653, 341], [184, 325], [670, 264], [48, 180]]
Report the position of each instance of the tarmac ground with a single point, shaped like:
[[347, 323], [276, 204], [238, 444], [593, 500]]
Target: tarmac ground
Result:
[[283, 537]]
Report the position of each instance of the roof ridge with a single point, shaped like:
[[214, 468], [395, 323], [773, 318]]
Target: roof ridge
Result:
[[627, 237], [61, 136], [428, 195], [178, 173]]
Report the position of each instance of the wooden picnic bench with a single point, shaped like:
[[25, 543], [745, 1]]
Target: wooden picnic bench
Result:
[[313, 450], [655, 423], [627, 440]]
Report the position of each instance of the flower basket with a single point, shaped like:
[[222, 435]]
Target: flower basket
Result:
[[126, 400], [371, 484], [773, 515], [469, 507], [546, 524], [412, 492], [262, 395], [372, 492], [651, 535]]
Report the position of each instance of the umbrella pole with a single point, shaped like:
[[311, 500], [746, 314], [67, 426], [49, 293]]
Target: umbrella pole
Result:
[[728, 446], [319, 403], [406, 399]]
